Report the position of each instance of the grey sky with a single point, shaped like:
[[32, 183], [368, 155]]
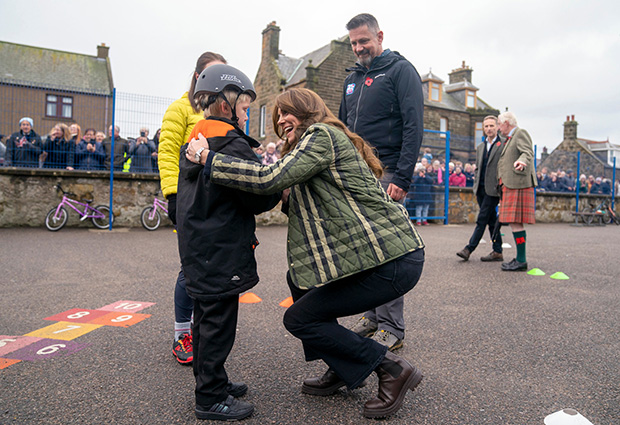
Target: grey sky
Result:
[[543, 59]]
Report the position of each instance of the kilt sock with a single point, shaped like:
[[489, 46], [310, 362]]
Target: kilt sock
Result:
[[520, 241]]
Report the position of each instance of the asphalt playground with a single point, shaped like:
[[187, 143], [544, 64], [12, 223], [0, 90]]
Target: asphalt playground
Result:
[[495, 347]]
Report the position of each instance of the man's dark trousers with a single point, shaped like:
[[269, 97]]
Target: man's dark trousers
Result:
[[486, 216]]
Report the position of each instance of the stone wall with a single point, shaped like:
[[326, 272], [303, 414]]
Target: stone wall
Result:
[[26, 196]]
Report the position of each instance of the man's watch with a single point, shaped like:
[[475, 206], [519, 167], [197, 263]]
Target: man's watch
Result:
[[197, 154]]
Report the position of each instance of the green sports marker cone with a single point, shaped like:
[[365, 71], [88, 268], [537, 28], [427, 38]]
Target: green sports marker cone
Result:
[[559, 276], [536, 272]]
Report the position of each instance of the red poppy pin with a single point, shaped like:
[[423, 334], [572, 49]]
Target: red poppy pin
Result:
[[498, 143], [368, 81]]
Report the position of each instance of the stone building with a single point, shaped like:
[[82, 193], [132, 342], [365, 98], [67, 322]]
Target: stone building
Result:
[[322, 71], [596, 156], [454, 107], [52, 86], [457, 108]]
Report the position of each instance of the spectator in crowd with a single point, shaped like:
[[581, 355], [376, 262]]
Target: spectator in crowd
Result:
[[76, 133], [383, 102], [260, 152], [438, 172], [569, 180], [24, 147], [583, 184], [141, 151], [554, 184], [121, 149], [544, 172], [427, 155], [424, 162], [605, 186], [516, 173], [270, 156], [100, 137], [457, 178], [595, 185], [89, 154], [423, 195], [450, 169], [59, 149], [469, 175]]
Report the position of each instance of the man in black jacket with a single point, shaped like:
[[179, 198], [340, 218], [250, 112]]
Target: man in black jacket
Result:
[[24, 146], [485, 189], [383, 102]]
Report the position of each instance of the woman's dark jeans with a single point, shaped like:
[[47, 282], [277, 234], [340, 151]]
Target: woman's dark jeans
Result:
[[313, 316]]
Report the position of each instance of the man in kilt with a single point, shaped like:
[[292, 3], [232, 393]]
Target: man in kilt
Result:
[[517, 178]]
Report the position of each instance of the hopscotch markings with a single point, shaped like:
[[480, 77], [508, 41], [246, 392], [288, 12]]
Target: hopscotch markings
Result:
[[56, 340], [46, 349], [124, 320], [127, 306], [64, 330], [79, 315], [9, 343], [7, 362]]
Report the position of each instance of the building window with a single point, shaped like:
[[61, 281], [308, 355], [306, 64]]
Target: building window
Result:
[[479, 133], [59, 106], [443, 126], [435, 91], [470, 97], [261, 121]]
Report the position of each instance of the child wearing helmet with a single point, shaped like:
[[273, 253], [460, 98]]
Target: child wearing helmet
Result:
[[216, 228]]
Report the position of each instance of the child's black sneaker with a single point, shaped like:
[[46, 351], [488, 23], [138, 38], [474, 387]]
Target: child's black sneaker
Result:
[[230, 409]]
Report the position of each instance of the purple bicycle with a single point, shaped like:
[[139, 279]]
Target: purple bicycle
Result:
[[150, 218], [57, 217]]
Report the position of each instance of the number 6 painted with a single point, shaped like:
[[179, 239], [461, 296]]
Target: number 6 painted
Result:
[[50, 349]]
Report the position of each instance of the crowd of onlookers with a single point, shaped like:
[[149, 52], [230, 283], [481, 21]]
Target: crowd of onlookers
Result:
[[71, 148]]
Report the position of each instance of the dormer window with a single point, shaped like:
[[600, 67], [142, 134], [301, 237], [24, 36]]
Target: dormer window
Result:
[[470, 98], [434, 91]]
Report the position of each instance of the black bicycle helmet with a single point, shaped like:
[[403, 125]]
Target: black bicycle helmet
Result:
[[215, 78]]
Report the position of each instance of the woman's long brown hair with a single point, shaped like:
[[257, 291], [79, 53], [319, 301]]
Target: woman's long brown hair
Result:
[[309, 108]]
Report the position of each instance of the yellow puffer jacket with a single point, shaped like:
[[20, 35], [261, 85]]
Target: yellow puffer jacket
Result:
[[178, 122]]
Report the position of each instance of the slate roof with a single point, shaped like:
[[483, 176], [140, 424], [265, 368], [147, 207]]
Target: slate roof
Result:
[[54, 69], [294, 70], [430, 77]]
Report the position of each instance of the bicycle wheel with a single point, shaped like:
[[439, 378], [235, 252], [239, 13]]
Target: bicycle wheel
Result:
[[147, 222], [56, 223], [607, 219], [587, 219], [103, 222]]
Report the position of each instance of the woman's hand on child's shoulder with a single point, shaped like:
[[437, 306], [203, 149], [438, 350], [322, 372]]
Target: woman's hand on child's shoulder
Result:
[[194, 146]]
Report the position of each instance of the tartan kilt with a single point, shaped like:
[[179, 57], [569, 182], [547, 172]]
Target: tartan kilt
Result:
[[517, 206]]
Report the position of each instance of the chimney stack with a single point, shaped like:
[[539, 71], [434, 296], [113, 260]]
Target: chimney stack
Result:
[[461, 74], [102, 51], [271, 42], [570, 128]]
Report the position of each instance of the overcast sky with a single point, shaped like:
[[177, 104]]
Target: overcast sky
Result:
[[542, 59]]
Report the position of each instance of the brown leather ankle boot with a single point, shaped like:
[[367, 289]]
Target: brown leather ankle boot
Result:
[[396, 376]]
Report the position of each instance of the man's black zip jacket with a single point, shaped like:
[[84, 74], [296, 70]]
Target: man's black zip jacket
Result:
[[385, 106]]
